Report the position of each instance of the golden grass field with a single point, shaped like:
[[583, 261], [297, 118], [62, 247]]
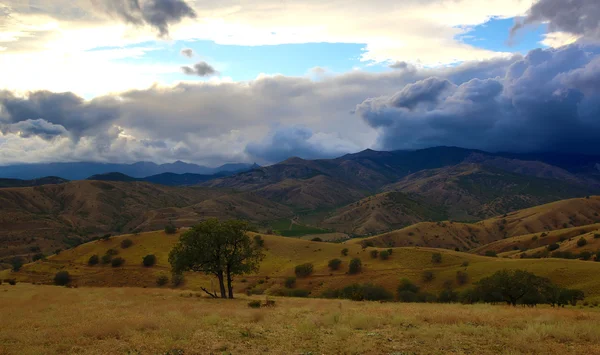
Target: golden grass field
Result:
[[58, 320], [283, 254]]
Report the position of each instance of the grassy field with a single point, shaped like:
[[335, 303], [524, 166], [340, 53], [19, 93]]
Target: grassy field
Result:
[[58, 320], [283, 254], [286, 228]]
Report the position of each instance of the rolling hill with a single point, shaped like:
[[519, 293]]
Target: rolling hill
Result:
[[48, 180]]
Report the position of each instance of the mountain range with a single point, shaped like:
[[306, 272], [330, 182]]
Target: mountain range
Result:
[[362, 194]]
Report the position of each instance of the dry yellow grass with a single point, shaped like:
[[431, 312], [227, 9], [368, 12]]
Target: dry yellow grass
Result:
[[57, 320]]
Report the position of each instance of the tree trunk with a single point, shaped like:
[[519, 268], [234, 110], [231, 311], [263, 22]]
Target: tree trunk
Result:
[[229, 286], [221, 284]]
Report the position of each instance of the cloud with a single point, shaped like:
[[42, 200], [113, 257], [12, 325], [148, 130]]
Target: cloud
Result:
[[199, 69], [30, 128], [187, 52], [577, 17], [159, 14], [543, 102], [399, 65]]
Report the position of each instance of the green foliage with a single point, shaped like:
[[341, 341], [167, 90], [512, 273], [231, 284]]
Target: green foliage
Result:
[[112, 252], [162, 280], [407, 285], [222, 249], [552, 247], [177, 279], [491, 253], [38, 256], [581, 242], [12, 282], [290, 282], [355, 266], [126, 243], [316, 239], [170, 229], [285, 228], [345, 252], [304, 270], [366, 243], [585, 255], [259, 241], [436, 258], [106, 237], [254, 304], [447, 296], [384, 255], [390, 251], [106, 258], [93, 260], [117, 262], [16, 263], [334, 264], [374, 254], [596, 235], [358, 292], [62, 278], [149, 260]]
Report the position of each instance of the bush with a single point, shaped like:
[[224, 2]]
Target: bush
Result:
[[304, 270], [297, 293], [334, 264], [16, 263], [464, 264], [38, 256], [491, 253], [447, 296], [290, 282], [390, 251], [177, 280], [116, 262], [585, 255], [106, 259], [357, 292], [57, 251], [374, 254], [106, 237], [254, 304], [149, 260], [162, 280], [596, 236], [581, 242], [407, 285], [355, 266], [62, 278], [93, 260], [12, 282], [462, 277], [126, 243], [112, 252], [259, 241], [170, 229], [407, 296], [436, 258], [552, 247], [316, 239], [345, 252], [427, 276], [366, 243], [384, 255]]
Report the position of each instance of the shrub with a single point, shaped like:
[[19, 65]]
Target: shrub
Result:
[[16, 263], [345, 252], [581, 242], [464, 263], [12, 282], [38, 256], [390, 251], [112, 252], [384, 255], [436, 258], [355, 266], [106, 259], [297, 293], [259, 241], [149, 260], [366, 243], [596, 236], [116, 262], [374, 254], [106, 237], [462, 277], [57, 251], [407, 285], [126, 243], [93, 260], [304, 270], [357, 292], [565, 225], [491, 253], [290, 282], [447, 296], [170, 229], [162, 280], [585, 255], [552, 247], [317, 239], [254, 304], [62, 278], [427, 276], [334, 264], [407, 296], [177, 280]]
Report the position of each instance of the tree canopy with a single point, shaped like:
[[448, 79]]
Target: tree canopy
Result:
[[219, 248]]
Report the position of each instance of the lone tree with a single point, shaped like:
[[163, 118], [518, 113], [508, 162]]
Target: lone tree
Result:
[[513, 285], [222, 249]]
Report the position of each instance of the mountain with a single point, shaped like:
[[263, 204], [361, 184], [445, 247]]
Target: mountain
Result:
[[168, 179], [48, 180], [82, 170]]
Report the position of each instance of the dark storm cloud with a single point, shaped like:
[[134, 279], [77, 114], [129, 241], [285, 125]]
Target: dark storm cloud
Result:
[[187, 52], [546, 101], [67, 110], [199, 69], [30, 128], [581, 17], [159, 14]]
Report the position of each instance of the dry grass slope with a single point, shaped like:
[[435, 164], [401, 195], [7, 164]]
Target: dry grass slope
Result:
[[151, 321]]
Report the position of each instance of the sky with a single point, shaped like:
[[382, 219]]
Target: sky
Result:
[[263, 80]]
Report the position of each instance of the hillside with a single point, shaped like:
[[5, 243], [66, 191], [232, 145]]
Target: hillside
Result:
[[466, 236], [48, 180], [283, 254]]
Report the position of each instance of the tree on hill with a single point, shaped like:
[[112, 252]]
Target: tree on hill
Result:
[[222, 249], [513, 285]]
